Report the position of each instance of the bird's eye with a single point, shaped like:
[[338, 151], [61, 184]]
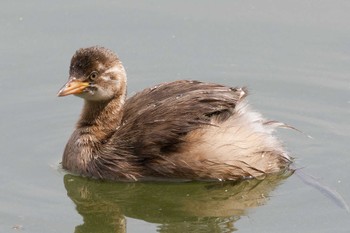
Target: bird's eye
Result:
[[93, 75]]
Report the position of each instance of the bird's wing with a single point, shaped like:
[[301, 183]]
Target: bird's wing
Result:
[[156, 120]]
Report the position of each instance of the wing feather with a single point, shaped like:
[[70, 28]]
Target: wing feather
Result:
[[158, 118]]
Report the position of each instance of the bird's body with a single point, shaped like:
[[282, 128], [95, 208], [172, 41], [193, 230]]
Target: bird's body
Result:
[[182, 130]]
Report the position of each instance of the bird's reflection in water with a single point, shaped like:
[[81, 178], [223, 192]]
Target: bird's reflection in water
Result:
[[175, 207]]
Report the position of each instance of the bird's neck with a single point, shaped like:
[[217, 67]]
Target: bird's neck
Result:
[[101, 119], [98, 121]]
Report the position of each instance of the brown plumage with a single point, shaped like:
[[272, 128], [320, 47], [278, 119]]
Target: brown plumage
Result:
[[183, 129]]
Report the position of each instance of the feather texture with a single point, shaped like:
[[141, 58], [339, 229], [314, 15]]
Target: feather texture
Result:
[[183, 129]]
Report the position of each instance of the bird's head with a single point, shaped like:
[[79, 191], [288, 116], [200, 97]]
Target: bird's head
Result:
[[95, 74]]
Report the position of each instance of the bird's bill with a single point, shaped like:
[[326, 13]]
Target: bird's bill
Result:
[[73, 86]]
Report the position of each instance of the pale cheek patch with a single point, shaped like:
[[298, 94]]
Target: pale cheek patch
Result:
[[115, 69], [106, 78], [99, 95], [108, 92]]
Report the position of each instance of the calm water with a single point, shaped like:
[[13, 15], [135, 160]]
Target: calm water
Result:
[[293, 55]]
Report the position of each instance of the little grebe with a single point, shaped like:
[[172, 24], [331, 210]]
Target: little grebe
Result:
[[183, 129]]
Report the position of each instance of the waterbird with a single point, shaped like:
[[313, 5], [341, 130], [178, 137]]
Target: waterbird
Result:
[[183, 129]]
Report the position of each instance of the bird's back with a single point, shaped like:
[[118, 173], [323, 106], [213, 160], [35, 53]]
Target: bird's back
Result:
[[200, 130]]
